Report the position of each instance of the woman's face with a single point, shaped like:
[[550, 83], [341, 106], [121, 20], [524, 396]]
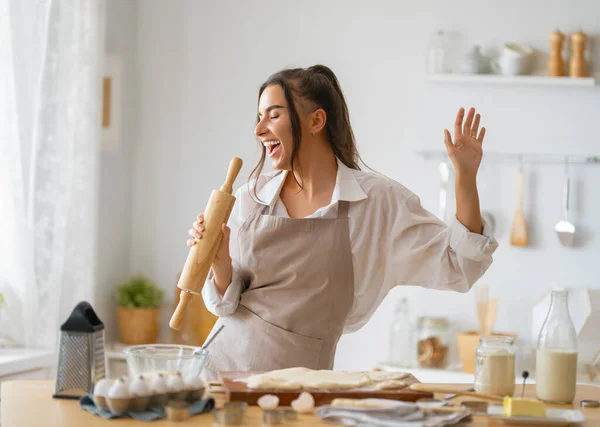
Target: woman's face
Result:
[[274, 127]]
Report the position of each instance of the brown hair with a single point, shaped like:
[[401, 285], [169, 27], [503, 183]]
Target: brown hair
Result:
[[318, 85]]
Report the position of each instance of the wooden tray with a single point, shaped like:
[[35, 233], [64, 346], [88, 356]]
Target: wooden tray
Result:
[[238, 391]]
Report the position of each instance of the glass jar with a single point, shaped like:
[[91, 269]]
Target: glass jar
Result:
[[437, 55], [401, 347], [556, 354], [495, 366], [433, 339]]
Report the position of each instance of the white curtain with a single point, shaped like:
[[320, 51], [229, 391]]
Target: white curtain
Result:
[[50, 79]]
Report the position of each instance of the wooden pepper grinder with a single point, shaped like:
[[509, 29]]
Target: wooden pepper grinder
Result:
[[556, 66], [577, 66]]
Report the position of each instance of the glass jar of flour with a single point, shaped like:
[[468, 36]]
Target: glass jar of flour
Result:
[[495, 366]]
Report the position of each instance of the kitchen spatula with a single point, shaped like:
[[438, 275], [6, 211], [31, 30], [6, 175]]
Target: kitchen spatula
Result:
[[518, 233], [564, 229]]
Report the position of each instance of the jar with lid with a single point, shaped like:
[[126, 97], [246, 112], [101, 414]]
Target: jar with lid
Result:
[[495, 366], [433, 338]]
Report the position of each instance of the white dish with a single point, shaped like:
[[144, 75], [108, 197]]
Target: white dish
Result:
[[554, 417]]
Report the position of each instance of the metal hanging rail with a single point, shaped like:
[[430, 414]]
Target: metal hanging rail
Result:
[[518, 158]]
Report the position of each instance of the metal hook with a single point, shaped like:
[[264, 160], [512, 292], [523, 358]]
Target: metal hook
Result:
[[520, 162]]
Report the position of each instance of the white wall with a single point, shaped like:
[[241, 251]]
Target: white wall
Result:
[[115, 170], [199, 66]]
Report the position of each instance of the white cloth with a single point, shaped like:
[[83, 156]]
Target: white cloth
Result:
[[395, 242], [392, 414]]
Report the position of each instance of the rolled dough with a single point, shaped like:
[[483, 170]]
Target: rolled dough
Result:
[[303, 378]]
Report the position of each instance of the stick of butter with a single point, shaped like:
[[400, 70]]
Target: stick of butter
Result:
[[514, 406]]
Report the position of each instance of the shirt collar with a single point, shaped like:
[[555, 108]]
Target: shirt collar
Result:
[[346, 186]]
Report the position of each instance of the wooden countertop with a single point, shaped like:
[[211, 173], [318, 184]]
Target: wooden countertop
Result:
[[30, 403]]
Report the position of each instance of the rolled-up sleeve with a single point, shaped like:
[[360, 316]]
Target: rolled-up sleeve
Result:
[[224, 305], [424, 251]]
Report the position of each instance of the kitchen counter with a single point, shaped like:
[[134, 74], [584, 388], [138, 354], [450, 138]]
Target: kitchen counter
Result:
[[30, 403]]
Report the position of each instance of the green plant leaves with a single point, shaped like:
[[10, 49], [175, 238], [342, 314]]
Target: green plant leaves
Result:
[[139, 292]]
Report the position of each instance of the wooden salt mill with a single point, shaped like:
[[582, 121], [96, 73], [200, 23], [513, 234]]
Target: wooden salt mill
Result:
[[577, 66], [556, 66]]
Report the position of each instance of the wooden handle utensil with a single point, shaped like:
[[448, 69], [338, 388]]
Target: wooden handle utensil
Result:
[[441, 389], [202, 254]]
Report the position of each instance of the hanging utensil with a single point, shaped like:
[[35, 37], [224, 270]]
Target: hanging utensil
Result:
[[518, 233], [481, 300], [564, 229]]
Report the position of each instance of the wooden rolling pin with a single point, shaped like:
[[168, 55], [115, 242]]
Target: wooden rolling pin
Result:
[[201, 255]]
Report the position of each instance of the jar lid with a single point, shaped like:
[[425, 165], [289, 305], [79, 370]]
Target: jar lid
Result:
[[439, 322], [497, 339]]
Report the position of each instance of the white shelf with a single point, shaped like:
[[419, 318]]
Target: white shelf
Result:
[[514, 80]]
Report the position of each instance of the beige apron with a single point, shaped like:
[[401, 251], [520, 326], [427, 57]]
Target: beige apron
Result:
[[299, 290]]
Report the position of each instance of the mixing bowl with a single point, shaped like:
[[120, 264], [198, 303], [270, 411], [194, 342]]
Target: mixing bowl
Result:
[[149, 359]]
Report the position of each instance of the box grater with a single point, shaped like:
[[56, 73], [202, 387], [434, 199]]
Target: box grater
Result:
[[81, 361]]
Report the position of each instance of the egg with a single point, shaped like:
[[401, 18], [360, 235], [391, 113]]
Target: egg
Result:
[[138, 387], [119, 390], [304, 403], [158, 385], [102, 387], [268, 401], [175, 383], [193, 382]]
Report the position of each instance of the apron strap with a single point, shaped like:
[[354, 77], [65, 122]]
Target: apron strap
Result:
[[343, 207]]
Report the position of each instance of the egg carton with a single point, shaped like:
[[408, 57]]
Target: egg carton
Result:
[[122, 396]]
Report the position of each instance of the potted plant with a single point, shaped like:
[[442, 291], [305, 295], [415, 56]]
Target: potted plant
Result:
[[139, 301]]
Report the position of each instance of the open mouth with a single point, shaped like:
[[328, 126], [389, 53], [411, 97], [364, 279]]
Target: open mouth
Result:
[[272, 147]]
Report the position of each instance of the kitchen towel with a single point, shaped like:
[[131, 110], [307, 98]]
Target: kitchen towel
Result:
[[151, 414], [392, 414]]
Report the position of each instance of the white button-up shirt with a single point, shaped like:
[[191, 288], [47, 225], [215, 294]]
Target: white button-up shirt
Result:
[[394, 240]]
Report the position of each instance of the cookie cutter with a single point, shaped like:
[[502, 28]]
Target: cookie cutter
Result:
[[589, 404], [290, 414], [177, 410], [227, 417], [236, 406], [272, 417]]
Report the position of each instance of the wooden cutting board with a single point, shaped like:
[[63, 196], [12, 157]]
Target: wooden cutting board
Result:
[[238, 391]]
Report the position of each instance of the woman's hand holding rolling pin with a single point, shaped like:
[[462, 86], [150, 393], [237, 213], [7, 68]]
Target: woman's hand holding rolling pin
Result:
[[221, 265]]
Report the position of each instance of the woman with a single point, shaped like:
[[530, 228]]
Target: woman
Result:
[[312, 249]]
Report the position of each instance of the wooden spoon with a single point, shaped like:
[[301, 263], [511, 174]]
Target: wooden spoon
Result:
[[442, 389], [518, 233]]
